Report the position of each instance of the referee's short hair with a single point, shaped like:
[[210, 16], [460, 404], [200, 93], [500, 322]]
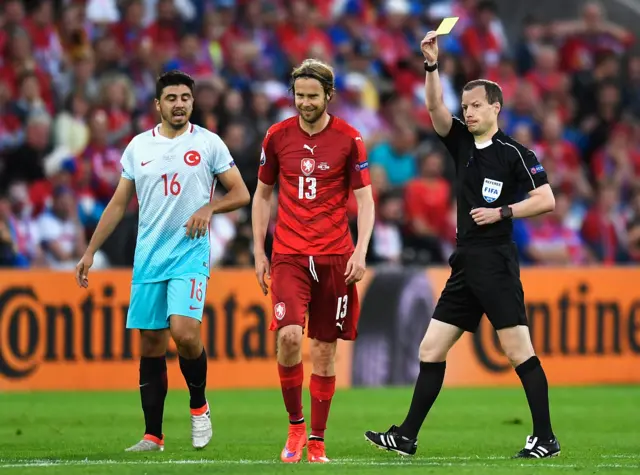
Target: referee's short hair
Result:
[[493, 90]]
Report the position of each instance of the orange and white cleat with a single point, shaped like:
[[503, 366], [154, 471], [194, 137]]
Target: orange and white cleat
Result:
[[149, 443], [296, 441], [316, 453], [201, 430]]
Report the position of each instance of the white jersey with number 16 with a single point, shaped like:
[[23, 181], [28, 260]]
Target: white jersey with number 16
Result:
[[173, 179]]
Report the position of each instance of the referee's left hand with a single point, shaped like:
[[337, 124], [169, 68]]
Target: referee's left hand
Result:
[[484, 216], [198, 223]]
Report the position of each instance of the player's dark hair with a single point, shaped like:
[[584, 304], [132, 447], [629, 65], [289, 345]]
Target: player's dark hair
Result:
[[315, 69], [493, 90], [173, 78]]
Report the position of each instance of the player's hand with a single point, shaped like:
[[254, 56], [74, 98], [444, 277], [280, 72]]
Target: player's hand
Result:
[[355, 268], [429, 47], [484, 216], [82, 270], [262, 270], [198, 223]]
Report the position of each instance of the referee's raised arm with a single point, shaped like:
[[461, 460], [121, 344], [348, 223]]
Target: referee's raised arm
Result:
[[440, 115]]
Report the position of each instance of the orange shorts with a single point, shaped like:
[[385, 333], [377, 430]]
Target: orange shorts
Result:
[[302, 285]]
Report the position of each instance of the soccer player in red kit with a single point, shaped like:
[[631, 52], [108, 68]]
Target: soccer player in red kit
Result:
[[316, 160]]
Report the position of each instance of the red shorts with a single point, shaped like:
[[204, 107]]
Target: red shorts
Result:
[[314, 285]]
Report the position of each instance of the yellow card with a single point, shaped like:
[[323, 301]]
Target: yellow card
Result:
[[447, 25]]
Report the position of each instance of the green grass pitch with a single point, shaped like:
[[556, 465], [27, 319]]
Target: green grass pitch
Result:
[[470, 431]]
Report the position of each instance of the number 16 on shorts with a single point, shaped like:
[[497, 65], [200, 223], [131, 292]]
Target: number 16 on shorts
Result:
[[187, 295]]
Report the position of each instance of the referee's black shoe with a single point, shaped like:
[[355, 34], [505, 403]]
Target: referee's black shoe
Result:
[[391, 440], [536, 448]]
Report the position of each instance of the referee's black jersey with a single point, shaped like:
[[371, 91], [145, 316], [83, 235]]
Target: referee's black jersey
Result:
[[489, 175]]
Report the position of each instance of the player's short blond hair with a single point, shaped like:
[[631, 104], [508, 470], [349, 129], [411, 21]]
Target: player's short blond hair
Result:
[[318, 70]]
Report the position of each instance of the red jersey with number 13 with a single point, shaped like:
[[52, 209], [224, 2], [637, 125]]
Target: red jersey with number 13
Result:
[[315, 174]]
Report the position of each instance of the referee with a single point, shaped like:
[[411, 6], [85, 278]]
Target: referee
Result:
[[491, 168]]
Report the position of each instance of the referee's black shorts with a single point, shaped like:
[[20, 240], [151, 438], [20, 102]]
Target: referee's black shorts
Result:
[[484, 280]]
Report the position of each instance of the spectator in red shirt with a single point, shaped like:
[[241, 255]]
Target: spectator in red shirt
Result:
[[546, 76], [189, 58], [604, 228], [505, 75], [20, 60], [391, 36], [12, 17], [428, 197], [427, 200], [300, 35], [590, 35], [617, 161], [101, 158], [165, 31], [129, 31], [13, 13], [479, 41], [568, 172], [118, 101], [550, 241], [46, 47]]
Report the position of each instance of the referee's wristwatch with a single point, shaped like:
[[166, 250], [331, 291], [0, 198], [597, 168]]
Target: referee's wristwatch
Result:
[[506, 212], [430, 68]]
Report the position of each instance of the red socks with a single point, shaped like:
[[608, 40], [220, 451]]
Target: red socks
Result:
[[291, 378], [322, 389]]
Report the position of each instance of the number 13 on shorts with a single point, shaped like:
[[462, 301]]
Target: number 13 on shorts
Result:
[[341, 311]]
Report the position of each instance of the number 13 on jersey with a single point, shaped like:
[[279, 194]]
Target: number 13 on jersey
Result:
[[306, 187]]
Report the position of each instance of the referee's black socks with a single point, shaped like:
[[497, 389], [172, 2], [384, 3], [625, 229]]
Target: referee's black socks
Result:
[[536, 388], [426, 391]]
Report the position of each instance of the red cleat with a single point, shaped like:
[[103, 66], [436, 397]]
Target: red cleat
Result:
[[296, 441], [316, 453]]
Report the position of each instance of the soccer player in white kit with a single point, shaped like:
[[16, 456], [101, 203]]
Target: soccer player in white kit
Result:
[[173, 168]]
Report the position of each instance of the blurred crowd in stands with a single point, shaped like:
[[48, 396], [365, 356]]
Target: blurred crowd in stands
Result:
[[77, 83]]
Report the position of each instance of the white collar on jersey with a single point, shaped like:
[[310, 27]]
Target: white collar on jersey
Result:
[[156, 131], [485, 144]]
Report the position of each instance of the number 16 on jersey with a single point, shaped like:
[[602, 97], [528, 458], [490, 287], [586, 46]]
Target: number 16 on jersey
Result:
[[306, 188]]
